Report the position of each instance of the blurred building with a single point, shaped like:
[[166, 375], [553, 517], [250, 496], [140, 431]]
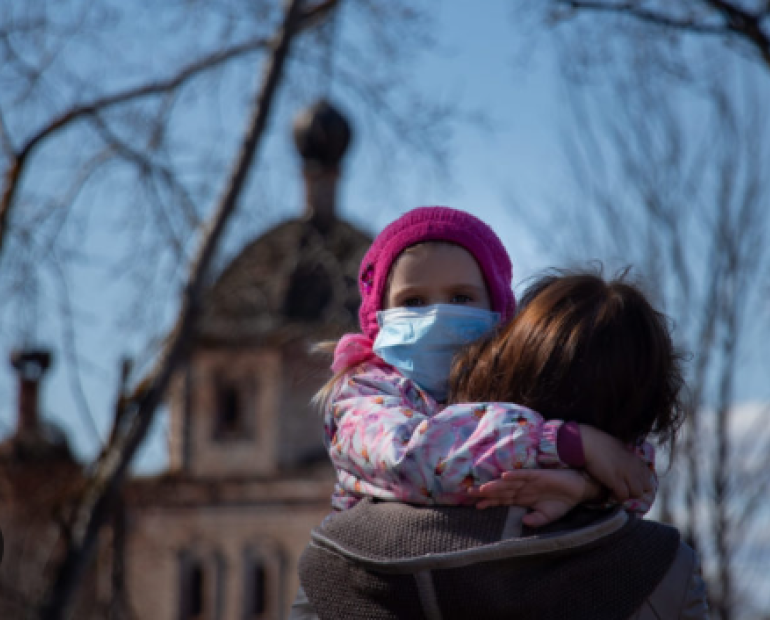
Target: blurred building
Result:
[[218, 536], [39, 478]]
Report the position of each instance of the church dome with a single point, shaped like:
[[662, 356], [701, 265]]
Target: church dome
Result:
[[292, 282], [299, 279]]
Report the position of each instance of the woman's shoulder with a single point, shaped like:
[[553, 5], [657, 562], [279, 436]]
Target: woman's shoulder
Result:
[[681, 593]]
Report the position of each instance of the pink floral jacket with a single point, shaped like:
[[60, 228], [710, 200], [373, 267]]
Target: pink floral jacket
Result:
[[389, 439]]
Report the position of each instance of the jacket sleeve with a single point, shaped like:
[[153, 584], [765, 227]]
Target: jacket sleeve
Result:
[[388, 439]]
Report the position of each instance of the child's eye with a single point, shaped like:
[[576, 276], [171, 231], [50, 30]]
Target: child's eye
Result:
[[461, 299], [412, 302]]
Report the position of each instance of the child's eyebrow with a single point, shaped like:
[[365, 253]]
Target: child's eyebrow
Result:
[[468, 288], [472, 287], [407, 290]]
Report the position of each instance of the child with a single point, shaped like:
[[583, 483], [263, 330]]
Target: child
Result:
[[433, 281], [581, 348]]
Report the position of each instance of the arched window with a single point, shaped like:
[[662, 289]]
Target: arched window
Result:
[[196, 590], [201, 585], [193, 582], [233, 403], [263, 574], [258, 585], [229, 410]]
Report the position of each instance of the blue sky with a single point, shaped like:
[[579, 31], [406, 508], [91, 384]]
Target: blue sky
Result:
[[464, 68], [480, 63]]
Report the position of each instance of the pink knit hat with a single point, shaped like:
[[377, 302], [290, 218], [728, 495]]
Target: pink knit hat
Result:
[[434, 224]]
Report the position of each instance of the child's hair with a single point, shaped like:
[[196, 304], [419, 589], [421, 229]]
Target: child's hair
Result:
[[415, 228], [581, 349]]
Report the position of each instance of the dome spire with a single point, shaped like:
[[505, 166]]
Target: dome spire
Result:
[[30, 365], [322, 136]]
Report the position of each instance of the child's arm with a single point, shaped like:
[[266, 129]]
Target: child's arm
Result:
[[386, 440], [551, 493], [628, 472]]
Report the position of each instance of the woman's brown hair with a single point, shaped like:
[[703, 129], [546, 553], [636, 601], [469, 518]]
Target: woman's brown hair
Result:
[[583, 349]]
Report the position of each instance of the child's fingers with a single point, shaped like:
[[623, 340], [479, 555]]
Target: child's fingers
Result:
[[497, 487], [495, 493], [636, 487], [521, 475], [641, 481], [651, 483], [620, 491]]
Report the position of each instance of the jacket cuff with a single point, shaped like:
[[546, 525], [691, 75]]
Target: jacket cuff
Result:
[[569, 445], [547, 454]]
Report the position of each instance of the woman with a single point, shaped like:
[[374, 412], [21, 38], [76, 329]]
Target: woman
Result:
[[580, 349]]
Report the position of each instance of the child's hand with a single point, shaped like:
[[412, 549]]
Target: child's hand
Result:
[[615, 465], [550, 493]]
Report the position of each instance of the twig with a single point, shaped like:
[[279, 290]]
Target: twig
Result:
[[746, 25], [16, 168], [95, 506]]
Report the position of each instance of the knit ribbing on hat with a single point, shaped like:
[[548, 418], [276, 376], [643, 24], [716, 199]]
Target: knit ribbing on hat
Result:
[[434, 224]]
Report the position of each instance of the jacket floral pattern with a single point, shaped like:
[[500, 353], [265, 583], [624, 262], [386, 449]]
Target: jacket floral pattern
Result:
[[390, 440]]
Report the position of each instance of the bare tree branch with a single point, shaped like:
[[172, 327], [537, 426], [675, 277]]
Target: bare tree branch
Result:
[[737, 21], [313, 15], [632, 9], [5, 138], [72, 357], [146, 166], [15, 169], [94, 508], [688, 204], [18, 157], [745, 24]]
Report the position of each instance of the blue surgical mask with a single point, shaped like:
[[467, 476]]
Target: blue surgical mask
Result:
[[421, 342]]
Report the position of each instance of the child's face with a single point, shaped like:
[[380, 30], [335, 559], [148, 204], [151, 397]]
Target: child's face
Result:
[[437, 273]]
